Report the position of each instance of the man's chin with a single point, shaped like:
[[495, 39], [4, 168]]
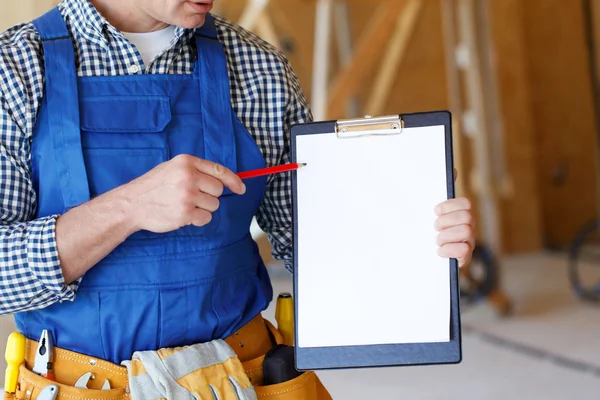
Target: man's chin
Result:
[[193, 21]]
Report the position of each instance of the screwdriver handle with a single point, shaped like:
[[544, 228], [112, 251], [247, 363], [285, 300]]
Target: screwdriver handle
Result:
[[15, 356], [284, 314]]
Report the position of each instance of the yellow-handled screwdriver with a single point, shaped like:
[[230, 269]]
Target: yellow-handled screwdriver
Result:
[[15, 356], [284, 314]]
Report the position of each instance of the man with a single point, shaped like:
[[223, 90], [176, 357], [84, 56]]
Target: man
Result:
[[123, 224]]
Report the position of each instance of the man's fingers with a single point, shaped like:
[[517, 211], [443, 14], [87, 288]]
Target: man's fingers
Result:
[[455, 234], [451, 205], [461, 251], [225, 175], [209, 185], [200, 217], [455, 218], [207, 202], [454, 250]]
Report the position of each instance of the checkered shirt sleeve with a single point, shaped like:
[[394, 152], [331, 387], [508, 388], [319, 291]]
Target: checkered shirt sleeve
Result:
[[30, 274]]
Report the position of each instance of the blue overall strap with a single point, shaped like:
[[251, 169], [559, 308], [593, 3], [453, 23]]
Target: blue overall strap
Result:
[[62, 101], [211, 67]]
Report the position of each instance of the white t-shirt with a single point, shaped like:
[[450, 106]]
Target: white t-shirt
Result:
[[151, 44]]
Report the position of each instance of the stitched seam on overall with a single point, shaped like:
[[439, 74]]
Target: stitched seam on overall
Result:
[[211, 250], [100, 330], [122, 396], [140, 259], [170, 285]]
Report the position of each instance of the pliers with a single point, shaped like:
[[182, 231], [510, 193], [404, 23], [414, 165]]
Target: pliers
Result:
[[44, 356]]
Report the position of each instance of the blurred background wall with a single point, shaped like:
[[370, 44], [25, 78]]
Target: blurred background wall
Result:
[[15, 12]]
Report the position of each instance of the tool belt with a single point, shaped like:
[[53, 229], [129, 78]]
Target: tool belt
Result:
[[251, 343]]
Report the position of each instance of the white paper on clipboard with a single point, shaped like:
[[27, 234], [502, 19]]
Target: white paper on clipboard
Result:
[[368, 269]]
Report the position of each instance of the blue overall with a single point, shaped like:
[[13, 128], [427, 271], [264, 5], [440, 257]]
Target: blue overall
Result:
[[93, 134]]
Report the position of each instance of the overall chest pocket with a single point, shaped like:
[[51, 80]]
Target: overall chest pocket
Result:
[[123, 138]]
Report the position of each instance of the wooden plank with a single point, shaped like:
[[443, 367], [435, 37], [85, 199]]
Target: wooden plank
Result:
[[322, 58], [421, 79], [521, 222], [255, 18], [595, 10], [563, 115], [252, 11], [594, 57], [455, 101], [479, 120], [366, 54], [294, 20], [266, 30], [343, 36], [392, 59]]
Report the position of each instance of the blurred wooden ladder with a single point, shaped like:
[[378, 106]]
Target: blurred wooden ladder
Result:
[[473, 103]]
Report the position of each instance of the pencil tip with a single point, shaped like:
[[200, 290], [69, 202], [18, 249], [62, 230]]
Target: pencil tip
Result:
[[300, 165]]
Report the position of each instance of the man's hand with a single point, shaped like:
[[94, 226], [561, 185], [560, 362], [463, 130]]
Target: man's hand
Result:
[[179, 192], [182, 191], [456, 238]]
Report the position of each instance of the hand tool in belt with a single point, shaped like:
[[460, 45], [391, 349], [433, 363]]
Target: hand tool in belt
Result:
[[48, 393], [15, 356], [44, 356], [84, 379]]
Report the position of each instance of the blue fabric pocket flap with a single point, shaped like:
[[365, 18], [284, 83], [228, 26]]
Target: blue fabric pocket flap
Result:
[[134, 114]]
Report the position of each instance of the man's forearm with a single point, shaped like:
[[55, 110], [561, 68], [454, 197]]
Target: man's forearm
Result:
[[42, 259], [88, 233]]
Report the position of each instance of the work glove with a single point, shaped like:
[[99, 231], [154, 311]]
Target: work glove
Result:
[[206, 371]]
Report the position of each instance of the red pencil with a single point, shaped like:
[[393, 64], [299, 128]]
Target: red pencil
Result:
[[271, 170]]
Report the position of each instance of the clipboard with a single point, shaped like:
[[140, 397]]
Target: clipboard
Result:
[[341, 306]]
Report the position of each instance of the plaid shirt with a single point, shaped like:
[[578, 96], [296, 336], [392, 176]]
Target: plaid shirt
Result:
[[30, 272]]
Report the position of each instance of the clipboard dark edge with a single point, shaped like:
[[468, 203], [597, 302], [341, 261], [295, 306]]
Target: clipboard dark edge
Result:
[[385, 355]]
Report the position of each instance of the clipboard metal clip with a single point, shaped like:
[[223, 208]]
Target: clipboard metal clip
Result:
[[384, 125]]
